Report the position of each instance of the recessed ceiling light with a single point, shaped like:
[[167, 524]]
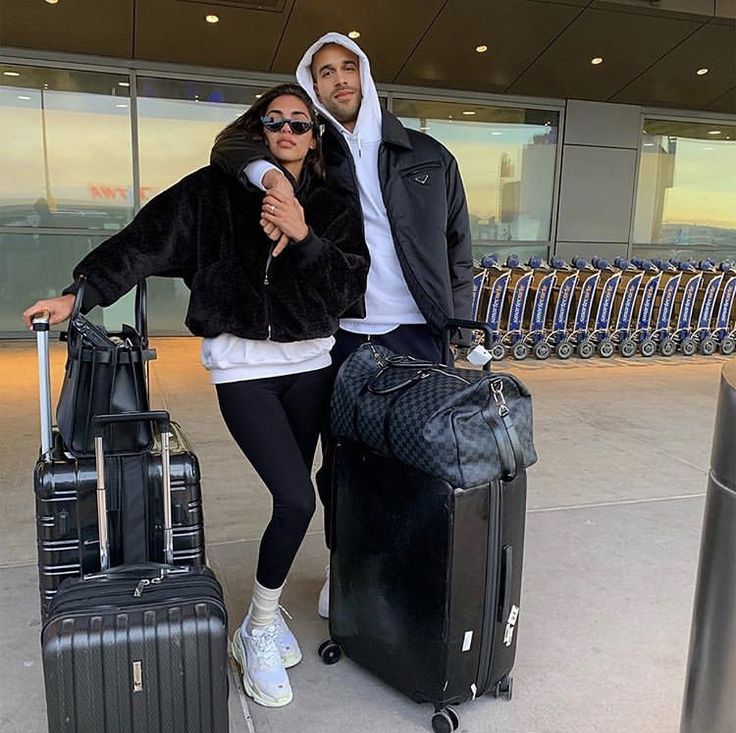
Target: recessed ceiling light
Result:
[[714, 132], [702, 72], [468, 112], [122, 106], [123, 83], [212, 18], [258, 96], [52, 2], [25, 99], [496, 133], [481, 49], [449, 117], [10, 73], [354, 34], [648, 145], [597, 60]]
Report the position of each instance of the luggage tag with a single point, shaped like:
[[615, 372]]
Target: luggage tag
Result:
[[479, 355]]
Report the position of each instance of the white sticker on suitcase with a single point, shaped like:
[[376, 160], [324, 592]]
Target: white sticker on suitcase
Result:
[[137, 676], [508, 637], [467, 640]]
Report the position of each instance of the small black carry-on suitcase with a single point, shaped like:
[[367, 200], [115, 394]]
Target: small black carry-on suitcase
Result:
[[136, 648], [65, 485], [428, 526]]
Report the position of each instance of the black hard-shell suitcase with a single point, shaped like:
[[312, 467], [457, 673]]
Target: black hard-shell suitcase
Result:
[[66, 515], [425, 579], [139, 648]]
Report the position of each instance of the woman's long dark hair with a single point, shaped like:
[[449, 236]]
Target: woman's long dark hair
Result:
[[250, 124]]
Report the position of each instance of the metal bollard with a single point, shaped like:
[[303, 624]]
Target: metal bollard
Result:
[[709, 705]]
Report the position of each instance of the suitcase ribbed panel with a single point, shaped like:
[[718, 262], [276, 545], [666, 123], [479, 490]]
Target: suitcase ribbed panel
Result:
[[66, 514], [180, 652]]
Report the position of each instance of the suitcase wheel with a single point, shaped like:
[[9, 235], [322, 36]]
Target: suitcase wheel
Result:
[[445, 721], [504, 688], [329, 652]]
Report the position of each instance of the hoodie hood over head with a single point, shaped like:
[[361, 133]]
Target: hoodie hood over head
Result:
[[368, 126]]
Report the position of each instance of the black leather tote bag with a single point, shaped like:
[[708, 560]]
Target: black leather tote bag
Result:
[[467, 427], [105, 374]]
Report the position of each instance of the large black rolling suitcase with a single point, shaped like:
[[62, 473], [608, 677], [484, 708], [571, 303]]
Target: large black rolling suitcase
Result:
[[66, 515], [137, 648], [425, 575]]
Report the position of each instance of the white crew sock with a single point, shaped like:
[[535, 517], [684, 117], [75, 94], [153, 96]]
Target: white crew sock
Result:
[[263, 606]]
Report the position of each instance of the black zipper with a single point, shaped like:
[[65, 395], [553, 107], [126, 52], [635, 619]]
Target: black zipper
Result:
[[120, 595], [266, 283], [495, 497]]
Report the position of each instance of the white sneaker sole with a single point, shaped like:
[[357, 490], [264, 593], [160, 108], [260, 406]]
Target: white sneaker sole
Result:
[[250, 687]]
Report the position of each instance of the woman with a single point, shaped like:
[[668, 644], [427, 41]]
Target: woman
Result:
[[267, 318]]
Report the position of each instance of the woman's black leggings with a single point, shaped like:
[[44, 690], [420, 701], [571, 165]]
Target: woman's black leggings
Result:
[[276, 423]]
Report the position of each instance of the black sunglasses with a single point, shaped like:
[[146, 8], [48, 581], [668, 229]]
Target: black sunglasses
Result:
[[298, 127]]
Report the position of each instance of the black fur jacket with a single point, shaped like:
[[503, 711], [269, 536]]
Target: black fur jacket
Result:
[[205, 229]]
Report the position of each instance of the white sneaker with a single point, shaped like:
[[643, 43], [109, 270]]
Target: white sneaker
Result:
[[323, 607], [288, 646], [264, 676]]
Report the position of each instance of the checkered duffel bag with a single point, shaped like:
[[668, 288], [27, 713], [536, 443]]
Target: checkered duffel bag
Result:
[[467, 427]]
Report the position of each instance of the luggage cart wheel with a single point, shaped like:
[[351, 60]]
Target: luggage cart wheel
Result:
[[585, 350], [667, 347], [519, 351], [542, 350], [564, 350], [329, 652], [708, 347], [606, 349], [627, 348], [648, 348], [445, 721], [498, 352], [688, 346], [728, 346]]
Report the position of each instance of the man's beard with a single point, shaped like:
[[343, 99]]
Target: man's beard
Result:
[[343, 115]]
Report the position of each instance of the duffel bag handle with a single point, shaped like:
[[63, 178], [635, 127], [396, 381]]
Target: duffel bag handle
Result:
[[373, 389]]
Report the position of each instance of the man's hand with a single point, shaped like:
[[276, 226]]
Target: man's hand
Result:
[[274, 181], [59, 309]]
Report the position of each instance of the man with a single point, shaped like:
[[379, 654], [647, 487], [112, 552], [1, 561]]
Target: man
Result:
[[413, 205]]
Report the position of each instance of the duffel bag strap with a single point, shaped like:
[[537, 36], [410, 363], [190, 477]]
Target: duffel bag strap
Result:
[[504, 432], [373, 389]]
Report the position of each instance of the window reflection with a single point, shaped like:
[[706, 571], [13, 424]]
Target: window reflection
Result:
[[177, 124], [507, 161], [36, 266], [66, 139], [686, 190]]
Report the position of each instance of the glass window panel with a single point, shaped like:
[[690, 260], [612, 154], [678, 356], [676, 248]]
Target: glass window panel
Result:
[[66, 150], [507, 161], [36, 266], [177, 124], [686, 190]]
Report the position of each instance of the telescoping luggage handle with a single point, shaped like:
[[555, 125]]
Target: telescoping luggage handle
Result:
[[99, 423], [455, 324], [41, 328]]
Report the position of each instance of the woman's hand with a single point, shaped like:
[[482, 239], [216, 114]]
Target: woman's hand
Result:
[[59, 309], [285, 214]]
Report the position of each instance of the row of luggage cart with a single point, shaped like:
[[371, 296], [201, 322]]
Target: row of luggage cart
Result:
[[599, 307]]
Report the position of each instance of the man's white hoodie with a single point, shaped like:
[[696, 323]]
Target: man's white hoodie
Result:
[[388, 300]]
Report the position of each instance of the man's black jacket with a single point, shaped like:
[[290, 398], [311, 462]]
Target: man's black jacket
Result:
[[424, 197], [206, 229]]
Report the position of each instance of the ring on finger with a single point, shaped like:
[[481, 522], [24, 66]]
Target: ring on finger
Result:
[[273, 209]]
